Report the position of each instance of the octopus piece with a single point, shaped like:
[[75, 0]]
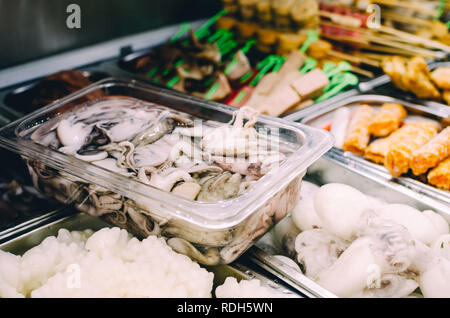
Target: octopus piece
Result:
[[340, 208], [179, 245], [163, 125], [435, 281], [238, 139], [142, 221], [221, 187], [390, 286], [317, 250], [106, 203], [441, 246], [187, 190], [165, 180], [111, 165], [421, 226], [304, 215], [284, 235]]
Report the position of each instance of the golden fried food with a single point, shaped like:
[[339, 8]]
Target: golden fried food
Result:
[[417, 79], [432, 153], [387, 119], [358, 135], [399, 155], [379, 148], [395, 68], [440, 176], [441, 77], [446, 96]]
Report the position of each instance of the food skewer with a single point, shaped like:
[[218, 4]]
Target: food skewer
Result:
[[423, 9]]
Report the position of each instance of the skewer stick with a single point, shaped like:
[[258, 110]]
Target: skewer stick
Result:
[[424, 9], [392, 50], [426, 42], [354, 59], [358, 70], [374, 36], [417, 50], [406, 19]]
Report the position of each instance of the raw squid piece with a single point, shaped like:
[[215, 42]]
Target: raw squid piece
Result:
[[304, 215], [432, 153], [398, 158], [358, 135], [387, 119], [420, 225], [435, 281], [340, 208]]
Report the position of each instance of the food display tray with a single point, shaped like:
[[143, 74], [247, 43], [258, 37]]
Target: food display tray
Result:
[[429, 194], [20, 242], [224, 229], [332, 169]]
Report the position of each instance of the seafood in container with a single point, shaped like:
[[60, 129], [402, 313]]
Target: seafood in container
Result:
[[20, 201], [404, 142], [77, 236], [208, 179], [355, 235]]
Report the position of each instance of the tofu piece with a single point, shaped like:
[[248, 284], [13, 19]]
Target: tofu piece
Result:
[[311, 85], [294, 62], [267, 84], [280, 101]]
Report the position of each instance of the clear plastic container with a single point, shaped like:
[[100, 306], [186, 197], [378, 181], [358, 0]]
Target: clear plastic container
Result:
[[211, 233]]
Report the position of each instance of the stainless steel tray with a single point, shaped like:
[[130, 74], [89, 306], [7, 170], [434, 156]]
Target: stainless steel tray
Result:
[[330, 169], [19, 242], [415, 188], [20, 93]]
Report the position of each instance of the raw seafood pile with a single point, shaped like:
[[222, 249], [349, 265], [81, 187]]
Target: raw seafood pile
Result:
[[358, 246], [162, 148], [19, 200], [51, 88], [413, 75], [402, 143], [111, 263]]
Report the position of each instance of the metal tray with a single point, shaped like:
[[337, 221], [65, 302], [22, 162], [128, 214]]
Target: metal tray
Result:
[[330, 169], [19, 242], [13, 98], [417, 188]]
